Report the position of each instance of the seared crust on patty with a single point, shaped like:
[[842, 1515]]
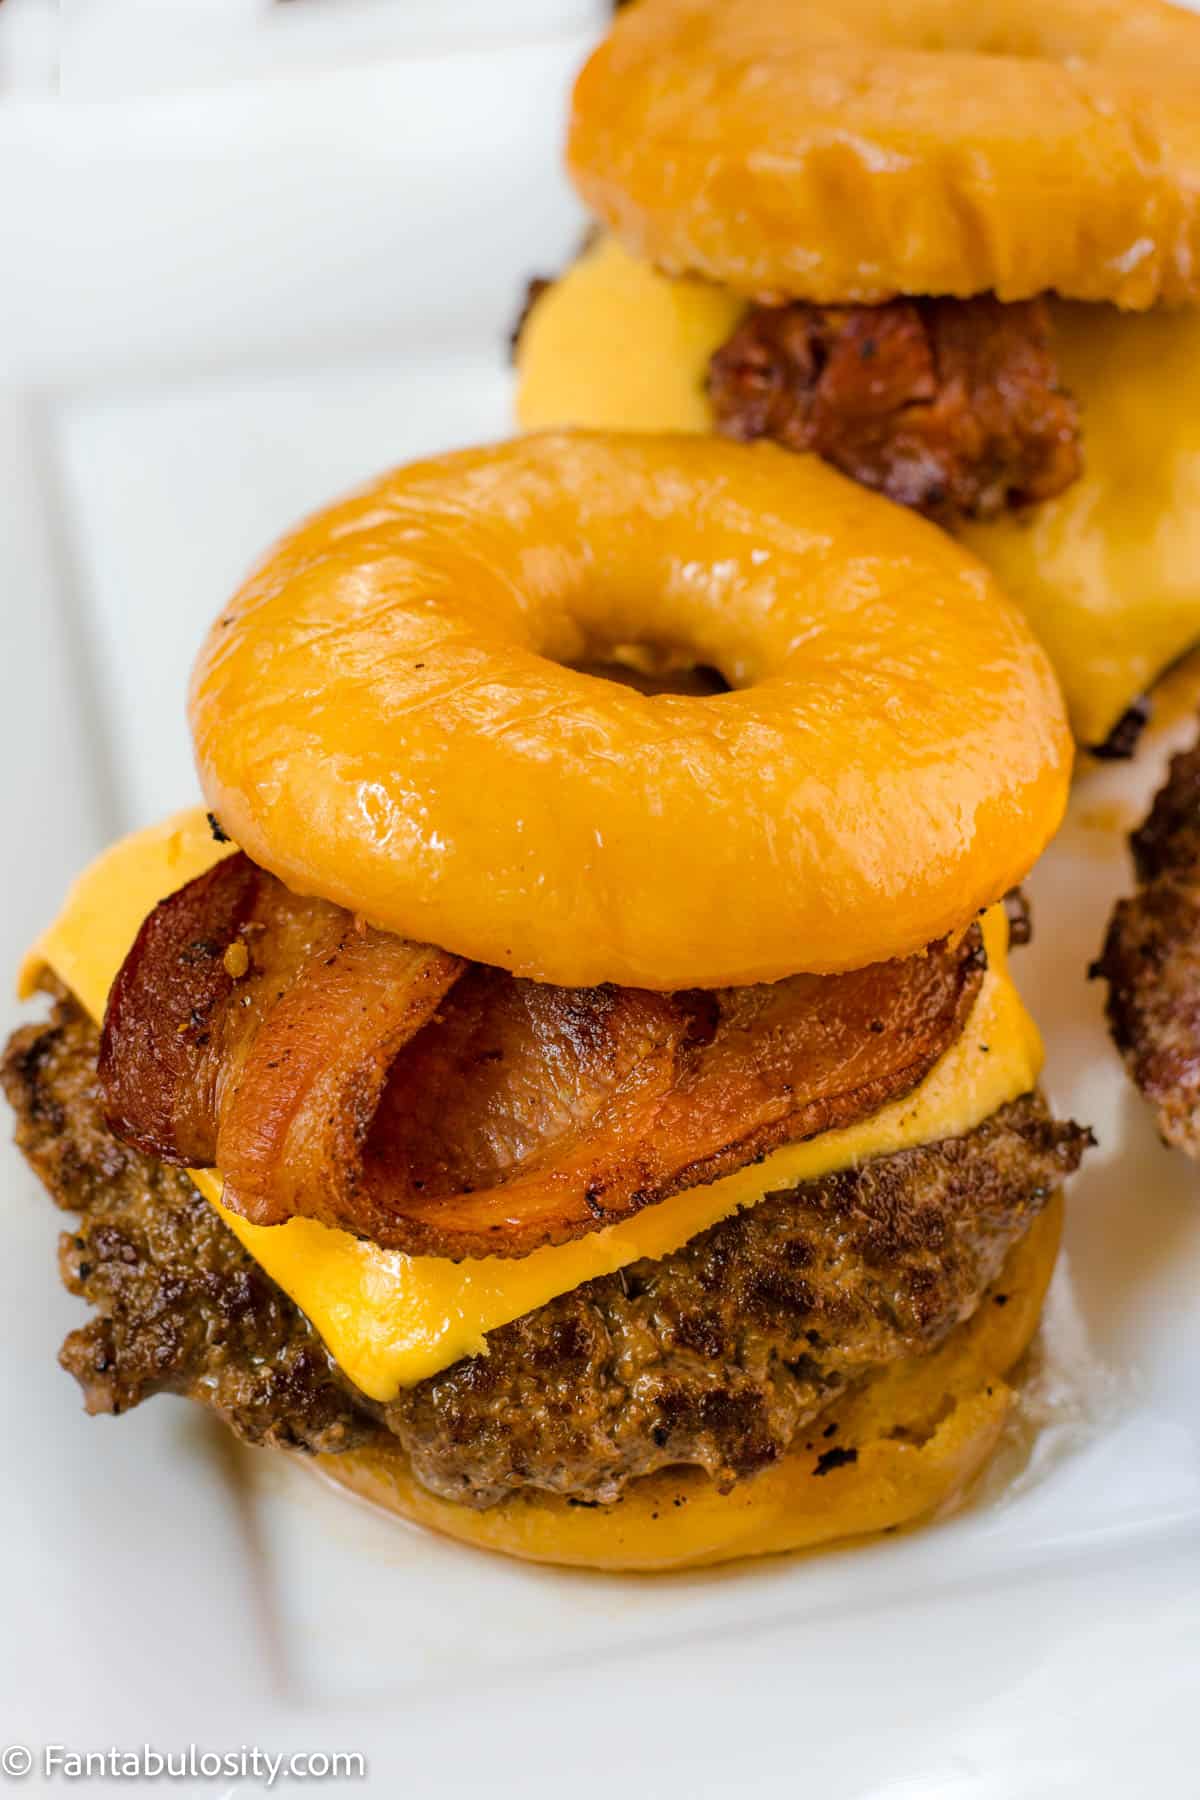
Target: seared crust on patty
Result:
[[714, 1356], [720, 1353], [1151, 958], [180, 1307]]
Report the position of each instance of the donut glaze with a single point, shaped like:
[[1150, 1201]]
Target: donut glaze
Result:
[[850, 150], [388, 715]]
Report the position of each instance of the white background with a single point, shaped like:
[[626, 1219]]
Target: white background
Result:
[[255, 253]]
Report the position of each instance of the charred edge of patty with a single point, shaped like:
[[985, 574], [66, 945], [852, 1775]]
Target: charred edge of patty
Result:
[[715, 1356], [1122, 741], [1019, 914], [535, 287], [180, 1307], [1151, 958]]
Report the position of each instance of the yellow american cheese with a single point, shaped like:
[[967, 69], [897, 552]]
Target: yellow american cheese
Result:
[[390, 1320], [1108, 573]]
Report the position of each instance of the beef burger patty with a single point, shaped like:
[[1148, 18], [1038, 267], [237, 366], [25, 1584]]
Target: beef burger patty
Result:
[[717, 1355]]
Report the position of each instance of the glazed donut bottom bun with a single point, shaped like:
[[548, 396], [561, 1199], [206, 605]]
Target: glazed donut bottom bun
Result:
[[899, 1448]]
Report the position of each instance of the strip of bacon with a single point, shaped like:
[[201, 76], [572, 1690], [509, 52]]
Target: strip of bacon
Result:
[[252, 1029], [951, 406], [450, 1109]]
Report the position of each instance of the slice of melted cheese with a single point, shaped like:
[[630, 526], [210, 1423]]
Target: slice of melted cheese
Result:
[[1108, 573], [390, 1320]]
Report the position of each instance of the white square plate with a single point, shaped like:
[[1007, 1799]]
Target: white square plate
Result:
[[222, 305]]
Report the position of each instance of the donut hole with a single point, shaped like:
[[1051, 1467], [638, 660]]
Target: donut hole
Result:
[[653, 669]]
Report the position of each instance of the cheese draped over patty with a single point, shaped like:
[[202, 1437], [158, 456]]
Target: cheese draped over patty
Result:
[[390, 1320], [1108, 572]]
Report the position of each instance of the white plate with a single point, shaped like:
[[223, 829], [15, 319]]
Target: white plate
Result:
[[222, 307]]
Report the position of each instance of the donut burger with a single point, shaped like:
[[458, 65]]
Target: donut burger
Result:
[[953, 248], [593, 1120]]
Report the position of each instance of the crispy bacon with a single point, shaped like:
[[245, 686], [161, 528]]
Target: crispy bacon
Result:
[[951, 406], [253, 1029], [450, 1109]]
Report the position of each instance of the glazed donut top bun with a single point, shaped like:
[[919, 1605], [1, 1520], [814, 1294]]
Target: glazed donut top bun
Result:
[[395, 714], [851, 150]]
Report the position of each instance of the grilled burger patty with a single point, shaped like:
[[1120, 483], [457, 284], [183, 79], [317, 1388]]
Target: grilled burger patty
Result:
[[1151, 958], [717, 1355]]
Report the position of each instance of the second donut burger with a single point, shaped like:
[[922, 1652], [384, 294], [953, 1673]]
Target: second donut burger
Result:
[[596, 1123], [954, 248]]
